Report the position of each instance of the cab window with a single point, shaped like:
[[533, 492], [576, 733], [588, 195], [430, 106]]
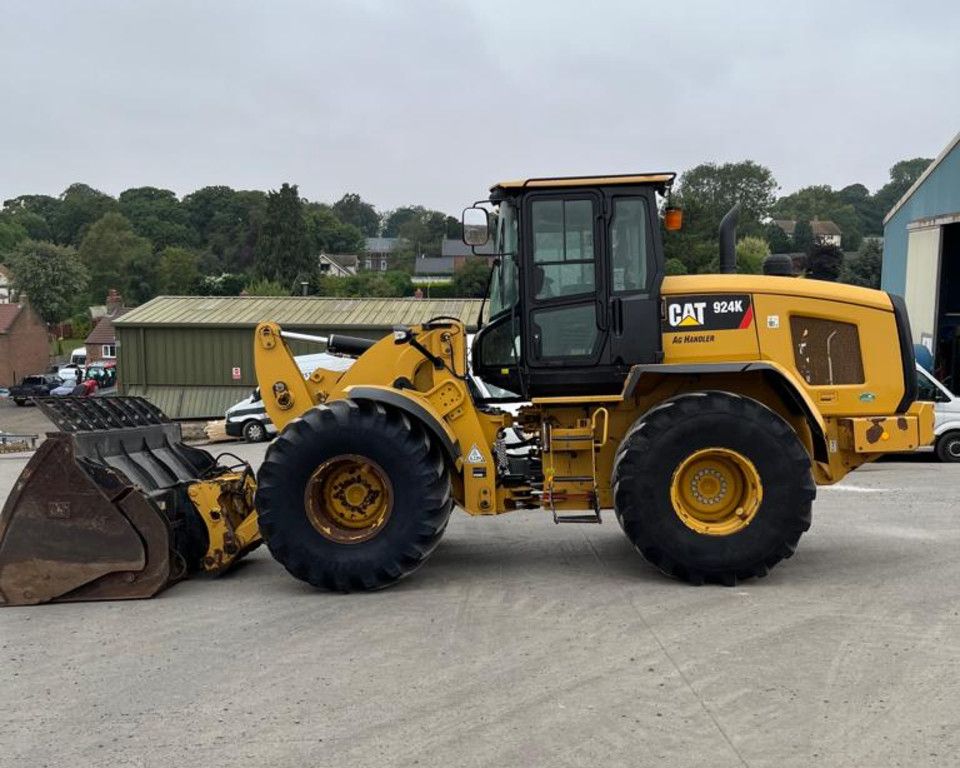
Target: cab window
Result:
[[628, 244], [563, 248]]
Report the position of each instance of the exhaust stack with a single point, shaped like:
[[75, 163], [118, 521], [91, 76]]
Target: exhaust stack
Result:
[[728, 241]]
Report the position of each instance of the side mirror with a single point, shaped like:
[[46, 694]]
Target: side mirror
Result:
[[476, 226]]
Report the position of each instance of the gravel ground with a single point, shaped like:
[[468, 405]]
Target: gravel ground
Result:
[[521, 643]]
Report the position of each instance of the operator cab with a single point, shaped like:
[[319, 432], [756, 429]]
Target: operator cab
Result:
[[575, 291]]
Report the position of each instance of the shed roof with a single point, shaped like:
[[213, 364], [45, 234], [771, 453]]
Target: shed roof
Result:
[[434, 265], [922, 178], [296, 311], [455, 247], [8, 314]]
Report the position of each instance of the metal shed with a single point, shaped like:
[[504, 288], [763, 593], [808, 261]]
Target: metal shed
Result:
[[192, 356], [921, 258]]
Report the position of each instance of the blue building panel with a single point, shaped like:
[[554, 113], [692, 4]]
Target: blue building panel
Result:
[[937, 195]]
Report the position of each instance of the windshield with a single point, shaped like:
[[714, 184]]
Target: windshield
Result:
[[503, 284]]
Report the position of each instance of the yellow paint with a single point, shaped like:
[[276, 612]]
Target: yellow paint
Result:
[[225, 504]]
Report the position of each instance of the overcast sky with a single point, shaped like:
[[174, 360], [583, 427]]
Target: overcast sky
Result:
[[430, 102]]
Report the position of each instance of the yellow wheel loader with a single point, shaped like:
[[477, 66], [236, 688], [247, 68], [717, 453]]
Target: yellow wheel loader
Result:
[[702, 410]]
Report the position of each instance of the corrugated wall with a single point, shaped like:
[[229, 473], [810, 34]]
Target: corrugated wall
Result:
[[187, 372]]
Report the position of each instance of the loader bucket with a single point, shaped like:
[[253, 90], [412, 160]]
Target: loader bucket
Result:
[[101, 511]]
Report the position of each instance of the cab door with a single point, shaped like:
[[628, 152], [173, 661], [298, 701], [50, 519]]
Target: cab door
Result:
[[565, 296], [634, 279]]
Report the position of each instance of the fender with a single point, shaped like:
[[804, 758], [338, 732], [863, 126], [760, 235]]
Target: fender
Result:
[[415, 407], [948, 426], [782, 380]]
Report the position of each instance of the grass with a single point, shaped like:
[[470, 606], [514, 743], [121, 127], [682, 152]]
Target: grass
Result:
[[64, 346]]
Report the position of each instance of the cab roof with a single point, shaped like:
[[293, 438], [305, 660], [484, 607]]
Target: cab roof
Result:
[[660, 180]]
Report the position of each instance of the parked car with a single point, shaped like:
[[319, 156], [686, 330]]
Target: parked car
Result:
[[104, 372], [70, 389], [71, 372], [38, 385], [248, 418], [79, 356], [4, 392], [947, 415]]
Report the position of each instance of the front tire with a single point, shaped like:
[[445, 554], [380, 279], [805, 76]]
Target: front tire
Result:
[[353, 496], [948, 447], [254, 432], [714, 487]]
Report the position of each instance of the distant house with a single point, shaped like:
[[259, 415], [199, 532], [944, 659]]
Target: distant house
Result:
[[433, 269], [824, 231], [378, 254], [338, 264], [6, 285], [101, 343], [23, 343]]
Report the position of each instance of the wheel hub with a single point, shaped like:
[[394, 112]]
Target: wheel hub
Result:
[[348, 499], [716, 491]]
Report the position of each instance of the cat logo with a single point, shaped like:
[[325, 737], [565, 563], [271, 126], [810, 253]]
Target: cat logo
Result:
[[689, 315]]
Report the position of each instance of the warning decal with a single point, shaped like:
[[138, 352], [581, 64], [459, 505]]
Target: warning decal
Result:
[[475, 457], [722, 312]]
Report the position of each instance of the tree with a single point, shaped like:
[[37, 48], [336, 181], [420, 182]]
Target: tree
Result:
[[864, 267], [674, 267], [708, 191], [34, 213], [472, 279], [824, 262], [777, 239], [265, 288], [117, 258], [869, 215], [157, 215], [283, 253], [802, 236], [352, 209], [11, 233], [902, 176], [380, 284], [224, 284], [228, 224], [80, 206], [327, 234], [178, 271], [51, 276], [751, 251]]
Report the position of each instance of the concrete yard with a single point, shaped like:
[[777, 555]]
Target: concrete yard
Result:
[[521, 643]]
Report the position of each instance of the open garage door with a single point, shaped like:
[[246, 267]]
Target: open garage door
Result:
[[923, 284]]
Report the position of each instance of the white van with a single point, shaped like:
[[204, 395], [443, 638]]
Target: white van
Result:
[[248, 418], [946, 406], [79, 356]]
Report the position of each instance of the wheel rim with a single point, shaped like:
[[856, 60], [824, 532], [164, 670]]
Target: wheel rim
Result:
[[716, 491], [953, 448], [255, 432], [348, 499]]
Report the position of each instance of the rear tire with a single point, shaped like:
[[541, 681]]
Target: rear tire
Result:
[[649, 468], [948, 447], [20, 402], [415, 479]]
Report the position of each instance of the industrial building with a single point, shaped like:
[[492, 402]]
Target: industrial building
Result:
[[921, 259], [193, 356]]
